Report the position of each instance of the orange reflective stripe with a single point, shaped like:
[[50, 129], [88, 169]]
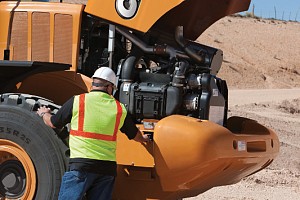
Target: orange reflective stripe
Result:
[[91, 135], [81, 112], [118, 118]]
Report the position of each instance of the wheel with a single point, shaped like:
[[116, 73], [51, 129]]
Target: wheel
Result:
[[32, 156]]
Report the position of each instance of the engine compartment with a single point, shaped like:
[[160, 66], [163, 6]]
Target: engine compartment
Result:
[[158, 75]]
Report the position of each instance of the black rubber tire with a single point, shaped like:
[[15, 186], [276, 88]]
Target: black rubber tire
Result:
[[46, 150]]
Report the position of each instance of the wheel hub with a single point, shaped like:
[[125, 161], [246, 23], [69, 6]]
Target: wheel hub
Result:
[[17, 173], [12, 179]]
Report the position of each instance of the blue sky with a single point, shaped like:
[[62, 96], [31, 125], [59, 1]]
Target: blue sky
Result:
[[285, 9]]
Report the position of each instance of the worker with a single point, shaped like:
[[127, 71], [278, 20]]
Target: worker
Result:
[[95, 119]]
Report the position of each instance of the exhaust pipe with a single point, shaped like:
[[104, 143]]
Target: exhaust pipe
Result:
[[156, 50], [183, 43]]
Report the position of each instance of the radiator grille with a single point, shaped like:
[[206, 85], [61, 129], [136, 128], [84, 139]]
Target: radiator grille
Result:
[[40, 36], [63, 38], [40, 47], [19, 36], [45, 35]]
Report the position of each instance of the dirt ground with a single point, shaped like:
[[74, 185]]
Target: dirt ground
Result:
[[262, 69]]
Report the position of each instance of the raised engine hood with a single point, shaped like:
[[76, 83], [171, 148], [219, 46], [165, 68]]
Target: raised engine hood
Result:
[[195, 15]]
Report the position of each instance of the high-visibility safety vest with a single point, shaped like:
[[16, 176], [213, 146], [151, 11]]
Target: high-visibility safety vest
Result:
[[96, 119]]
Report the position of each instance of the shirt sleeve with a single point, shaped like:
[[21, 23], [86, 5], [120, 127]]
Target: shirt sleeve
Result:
[[63, 115], [129, 127]]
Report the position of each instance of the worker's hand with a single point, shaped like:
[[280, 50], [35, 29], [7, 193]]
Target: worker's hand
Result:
[[43, 110], [140, 137], [45, 114], [146, 138]]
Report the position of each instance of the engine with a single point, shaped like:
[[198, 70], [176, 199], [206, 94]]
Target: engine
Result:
[[184, 92], [159, 77]]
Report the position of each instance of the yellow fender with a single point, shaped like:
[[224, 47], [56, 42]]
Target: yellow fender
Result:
[[191, 153], [189, 156]]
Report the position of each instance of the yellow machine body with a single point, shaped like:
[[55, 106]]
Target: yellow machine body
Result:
[[46, 32], [188, 156]]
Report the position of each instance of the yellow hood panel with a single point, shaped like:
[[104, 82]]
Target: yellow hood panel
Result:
[[142, 17], [195, 15]]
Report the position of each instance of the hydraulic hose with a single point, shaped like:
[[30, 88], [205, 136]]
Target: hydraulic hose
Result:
[[128, 68], [11, 19]]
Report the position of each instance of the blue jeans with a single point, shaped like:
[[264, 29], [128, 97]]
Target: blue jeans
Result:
[[76, 184]]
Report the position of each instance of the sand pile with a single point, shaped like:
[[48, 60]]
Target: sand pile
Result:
[[257, 53]]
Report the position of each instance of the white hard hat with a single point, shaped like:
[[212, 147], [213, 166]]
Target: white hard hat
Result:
[[107, 74]]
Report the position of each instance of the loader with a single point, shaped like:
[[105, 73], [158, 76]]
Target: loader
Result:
[[167, 81]]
